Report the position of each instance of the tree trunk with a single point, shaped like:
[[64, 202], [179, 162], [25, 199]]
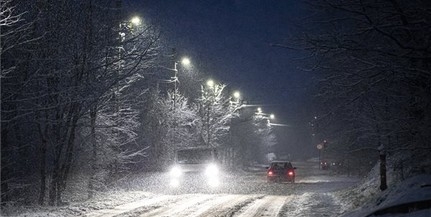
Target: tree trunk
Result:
[[4, 167], [383, 184], [65, 169], [42, 171], [53, 187], [93, 116]]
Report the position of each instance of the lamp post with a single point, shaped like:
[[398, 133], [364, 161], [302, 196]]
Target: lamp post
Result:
[[265, 115], [210, 85], [261, 117], [185, 62], [123, 29]]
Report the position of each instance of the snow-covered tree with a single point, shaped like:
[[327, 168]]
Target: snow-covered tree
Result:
[[216, 112], [14, 33], [63, 83], [252, 137], [168, 126]]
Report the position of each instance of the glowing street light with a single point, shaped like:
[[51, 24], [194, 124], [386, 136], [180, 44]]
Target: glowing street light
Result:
[[210, 83], [185, 61], [235, 103], [259, 110], [236, 94], [271, 116], [136, 20]]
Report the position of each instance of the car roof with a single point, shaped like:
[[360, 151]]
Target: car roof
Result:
[[280, 161]]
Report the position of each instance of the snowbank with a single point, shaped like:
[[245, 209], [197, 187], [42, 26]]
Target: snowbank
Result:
[[411, 197]]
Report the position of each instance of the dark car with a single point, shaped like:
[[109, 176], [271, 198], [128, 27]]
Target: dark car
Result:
[[281, 171], [324, 165]]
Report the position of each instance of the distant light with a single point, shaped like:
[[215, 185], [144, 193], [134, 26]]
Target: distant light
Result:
[[272, 116], [136, 21], [259, 110], [210, 83], [185, 61], [236, 94]]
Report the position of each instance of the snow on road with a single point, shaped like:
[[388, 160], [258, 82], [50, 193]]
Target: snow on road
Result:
[[196, 205], [265, 206], [312, 205], [147, 202], [244, 194]]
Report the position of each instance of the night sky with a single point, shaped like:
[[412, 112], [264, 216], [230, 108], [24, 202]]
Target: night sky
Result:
[[230, 41]]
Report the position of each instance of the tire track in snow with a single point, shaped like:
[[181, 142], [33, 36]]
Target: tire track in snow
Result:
[[266, 206], [124, 208], [229, 207], [209, 207], [180, 206]]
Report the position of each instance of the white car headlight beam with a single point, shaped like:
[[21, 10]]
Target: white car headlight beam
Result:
[[176, 171], [212, 170]]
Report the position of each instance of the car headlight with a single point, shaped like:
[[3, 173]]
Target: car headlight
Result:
[[212, 170], [176, 171]]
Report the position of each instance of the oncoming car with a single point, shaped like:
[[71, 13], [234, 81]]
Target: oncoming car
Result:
[[195, 166], [281, 171]]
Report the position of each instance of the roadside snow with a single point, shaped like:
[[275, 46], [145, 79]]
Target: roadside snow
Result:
[[410, 191], [100, 202], [312, 205]]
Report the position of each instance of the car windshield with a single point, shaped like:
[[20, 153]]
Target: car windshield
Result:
[[281, 165], [194, 156]]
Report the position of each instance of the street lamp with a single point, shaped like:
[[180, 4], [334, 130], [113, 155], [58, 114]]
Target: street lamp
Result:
[[136, 21], [266, 116], [236, 95], [236, 102], [185, 62], [210, 83]]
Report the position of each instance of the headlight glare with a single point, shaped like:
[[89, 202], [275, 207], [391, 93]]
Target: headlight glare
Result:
[[176, 171], [212, 170]]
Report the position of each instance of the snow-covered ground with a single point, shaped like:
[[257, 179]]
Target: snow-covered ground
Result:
[[411, 197], [242, 194], [316, 193]]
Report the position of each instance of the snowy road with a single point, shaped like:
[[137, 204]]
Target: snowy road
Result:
[[191, 205], [246, 194]]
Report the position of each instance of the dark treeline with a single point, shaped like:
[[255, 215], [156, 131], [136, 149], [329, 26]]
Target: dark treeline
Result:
[[374, 78]]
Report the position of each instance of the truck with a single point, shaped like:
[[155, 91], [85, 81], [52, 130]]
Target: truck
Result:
[[195, 166]]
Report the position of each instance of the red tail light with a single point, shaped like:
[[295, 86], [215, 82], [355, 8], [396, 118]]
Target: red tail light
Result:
[[270, 173], [290, 173]]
